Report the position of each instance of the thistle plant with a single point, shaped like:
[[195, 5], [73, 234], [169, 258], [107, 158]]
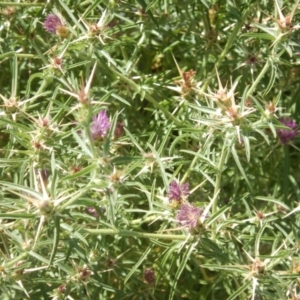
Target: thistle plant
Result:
[[149, 150]]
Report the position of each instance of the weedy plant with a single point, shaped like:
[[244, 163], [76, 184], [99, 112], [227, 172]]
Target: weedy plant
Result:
[[149, 149]]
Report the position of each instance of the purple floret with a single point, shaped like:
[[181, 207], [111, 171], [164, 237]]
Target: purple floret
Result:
[[189, 215], [287, 135], [52, 23], [178, 191], [100, 125]]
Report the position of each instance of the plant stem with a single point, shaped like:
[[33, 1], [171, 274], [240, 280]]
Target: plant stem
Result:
[[177, 237], [15, 260], [217, 185], [21, 4], [258, 78], [191, 166], [88, 136], [229, 44], [286, 172]]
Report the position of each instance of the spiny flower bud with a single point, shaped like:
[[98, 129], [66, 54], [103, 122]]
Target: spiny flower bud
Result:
[[46, 207], [61, 289], [84, 274]]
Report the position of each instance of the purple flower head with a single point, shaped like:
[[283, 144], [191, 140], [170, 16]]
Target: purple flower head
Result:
[[287, 135], [178, 191], [149, 276], [100, 125], [53, 23], [189, 215], [92, 211]]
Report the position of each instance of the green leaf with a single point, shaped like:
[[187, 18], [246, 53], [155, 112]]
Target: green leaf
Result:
[[144, 6], [239, 165], [56, 231]]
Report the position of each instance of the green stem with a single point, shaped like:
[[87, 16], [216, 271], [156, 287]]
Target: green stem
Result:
[[286, 171], [26, 55], [88, 136], [16, 259], [258, 78], [21, 4], [187, 173], [144, 220], [73, 199], [227, 47], [218, 185], [40, 92], [43, 86], [21, 55], [177, 237]]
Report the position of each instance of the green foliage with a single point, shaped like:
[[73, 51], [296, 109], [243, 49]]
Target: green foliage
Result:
[[199, 92]]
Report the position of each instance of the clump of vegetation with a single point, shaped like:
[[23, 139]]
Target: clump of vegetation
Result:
[[149, 150]]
